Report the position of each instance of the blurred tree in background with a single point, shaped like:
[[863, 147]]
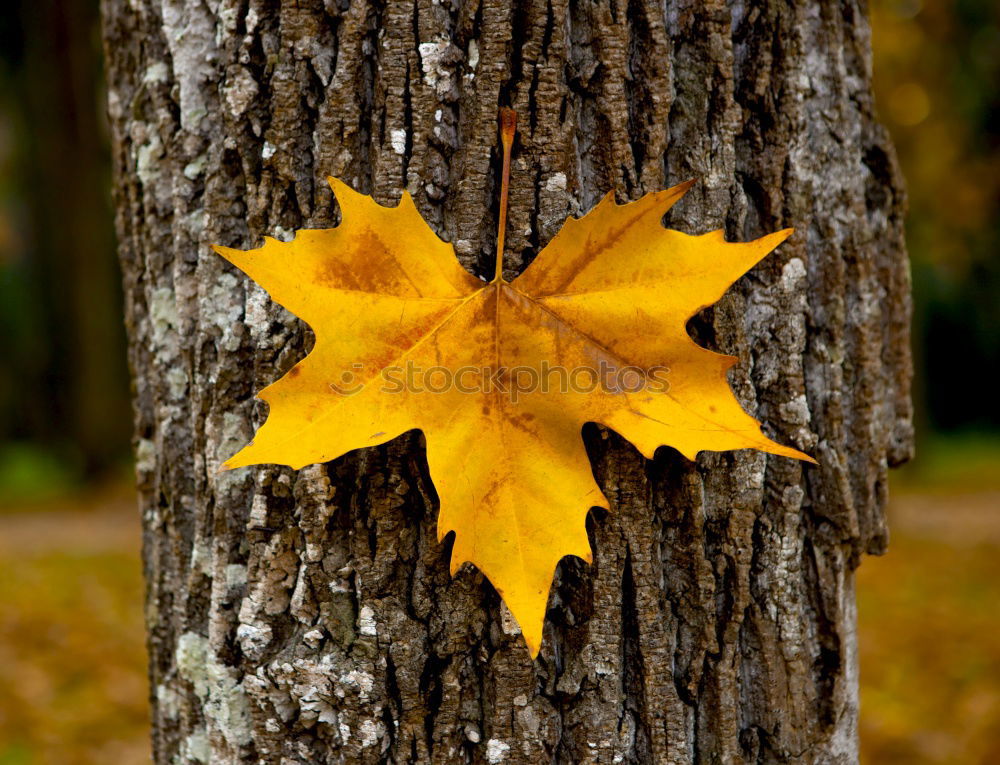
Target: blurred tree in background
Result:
[[937, 82], [64, 410]]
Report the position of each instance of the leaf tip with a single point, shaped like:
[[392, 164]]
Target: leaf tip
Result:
[[406, 200], [533, 638], [241, 459], [795, 454], [228, 253], [682, 188], [664, 200], [340, 189], [611, 196]]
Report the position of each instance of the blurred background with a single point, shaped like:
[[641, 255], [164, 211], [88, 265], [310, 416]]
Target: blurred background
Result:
[[72, 666]]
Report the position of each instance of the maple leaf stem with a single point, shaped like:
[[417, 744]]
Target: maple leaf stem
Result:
[[508, 126]]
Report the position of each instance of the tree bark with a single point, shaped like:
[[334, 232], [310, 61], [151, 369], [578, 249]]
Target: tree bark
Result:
[[308, 616]]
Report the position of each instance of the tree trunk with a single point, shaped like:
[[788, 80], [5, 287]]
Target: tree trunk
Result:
[[62, 379], [308, 616]]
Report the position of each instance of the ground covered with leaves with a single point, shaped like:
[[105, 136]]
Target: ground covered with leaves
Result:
[[72, 656], [928, 615]]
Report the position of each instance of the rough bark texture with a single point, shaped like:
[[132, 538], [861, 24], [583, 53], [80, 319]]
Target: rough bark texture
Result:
[[308, 617]]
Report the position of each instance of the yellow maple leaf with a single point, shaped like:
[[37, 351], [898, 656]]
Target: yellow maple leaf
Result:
[[501, 377]]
